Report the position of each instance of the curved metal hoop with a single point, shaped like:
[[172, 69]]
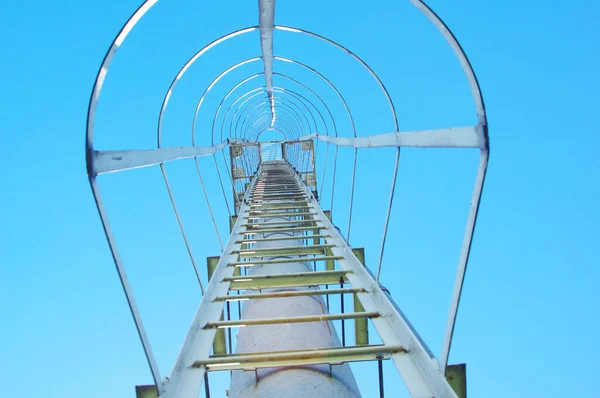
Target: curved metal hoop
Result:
[[283, 28], [241, 63], [303, 99], [462, 58], [356, 57], [187, 65], [89, 154]]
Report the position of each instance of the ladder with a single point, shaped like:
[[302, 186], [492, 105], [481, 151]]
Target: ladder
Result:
[[277, 190]]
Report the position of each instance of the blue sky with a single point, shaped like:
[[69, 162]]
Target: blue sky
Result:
[[528, 321]]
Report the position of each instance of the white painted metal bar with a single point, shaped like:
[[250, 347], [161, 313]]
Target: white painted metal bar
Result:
[[223, 186], [298, 279], [333, 356], [294, 319], [282, 229], [135, 312], [111, 161], [464, 258], [455, 137], [90, 155], [389, 213], [282, 260], [294, 237], [293, 250], [351, 196], [462, 58], [290, 223], [484, 145], [181, 228], [333, 178], [287, 293], [212, 216], [282, 204], [324, 169], [101, 75], [266, 9]]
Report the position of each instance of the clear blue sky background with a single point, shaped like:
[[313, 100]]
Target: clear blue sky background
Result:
[[528, 323]]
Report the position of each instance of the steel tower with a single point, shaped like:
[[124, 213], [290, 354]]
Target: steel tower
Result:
[[285, 258]]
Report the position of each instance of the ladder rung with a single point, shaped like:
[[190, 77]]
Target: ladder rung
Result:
[[277, 205], [280, 190], [282, 251], [288, 293], [284, 206], [272, 195], [263, 183], [253, 282], [291, 185], [280, 193], [282, 214], [283, 188], [292, 319], [295, 237], [301, 204], [276, 178], [315, 356], [287, 189], [282, 229], [268, 224], [268, 199], [268, 212], [283, 261]]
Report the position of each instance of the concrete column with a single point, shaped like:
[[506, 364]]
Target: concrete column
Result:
[[305, 381]]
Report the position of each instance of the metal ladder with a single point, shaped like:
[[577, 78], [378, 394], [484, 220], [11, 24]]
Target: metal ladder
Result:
[[277, 190]]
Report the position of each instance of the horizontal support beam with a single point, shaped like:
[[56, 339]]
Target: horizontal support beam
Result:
[[293, 319], [267, 211], [297, 204], [283, 261], [282, 251], [264, 198], [268, 194], [283, 230], [111, 161], [282, 214], [290, 223], [291, 207], [293, 184], [295, 237], [276, 191], [315, 356], [286, 280], [455, 137], [288, 293]]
